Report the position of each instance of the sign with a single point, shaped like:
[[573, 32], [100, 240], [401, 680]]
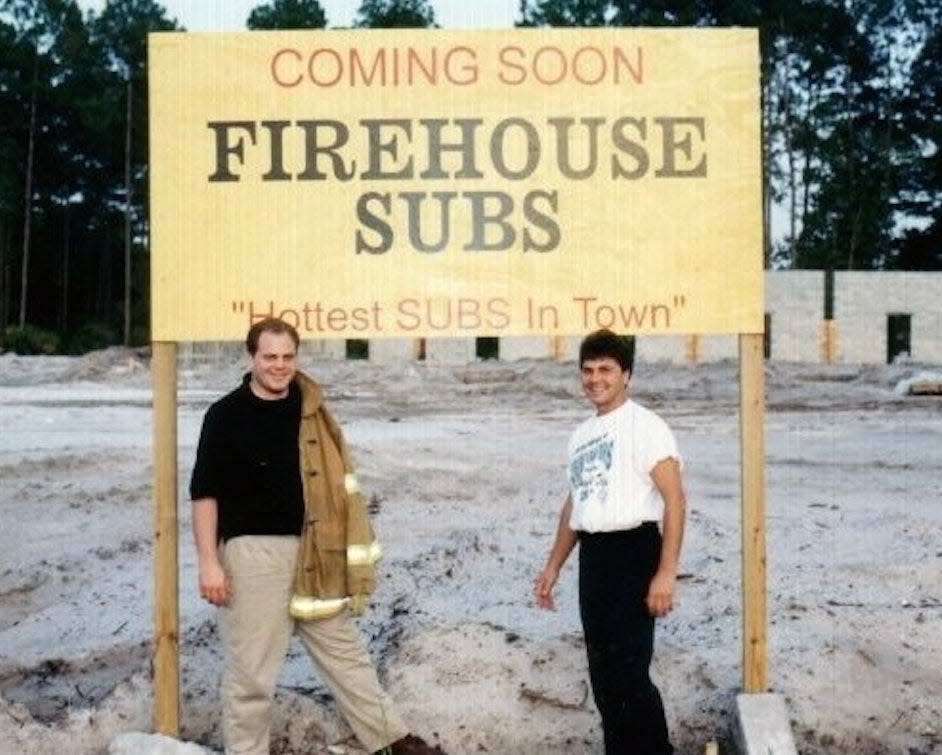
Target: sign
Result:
[[415, 183]]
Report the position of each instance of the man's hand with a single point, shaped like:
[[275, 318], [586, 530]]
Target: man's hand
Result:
[[662, 590], [358, 604], [543, 590], [213, 582], [562, 546], [660, 599], [215, 586]]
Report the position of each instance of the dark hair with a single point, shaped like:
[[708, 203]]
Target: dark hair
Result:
[[604, 343], [269, 325]]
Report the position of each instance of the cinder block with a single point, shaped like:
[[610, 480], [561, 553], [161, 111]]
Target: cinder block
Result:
[[762, 726]]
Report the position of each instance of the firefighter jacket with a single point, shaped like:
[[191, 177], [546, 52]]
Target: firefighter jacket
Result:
[[336, 563]]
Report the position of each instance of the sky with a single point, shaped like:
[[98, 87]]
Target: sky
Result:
[[230, 15]]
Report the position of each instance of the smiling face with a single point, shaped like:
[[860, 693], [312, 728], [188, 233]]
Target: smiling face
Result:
[[273, 365], [605, 383]]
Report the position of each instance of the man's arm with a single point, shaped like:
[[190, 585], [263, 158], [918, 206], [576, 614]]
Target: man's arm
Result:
[[213, 583], [661, 592], [565, 541]]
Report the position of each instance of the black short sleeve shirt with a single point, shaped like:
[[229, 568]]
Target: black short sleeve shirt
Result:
[[247, 459]]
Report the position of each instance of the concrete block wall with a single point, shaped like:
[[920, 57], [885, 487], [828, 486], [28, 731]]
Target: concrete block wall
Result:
[[794, 301], [390, 349], [685, 349], [326, 349], [927, 321], [654, 348], [451, 350], [863, 301], [522, 347], [191, 355]]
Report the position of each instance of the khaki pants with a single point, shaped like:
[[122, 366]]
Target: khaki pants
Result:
[[256, 629]]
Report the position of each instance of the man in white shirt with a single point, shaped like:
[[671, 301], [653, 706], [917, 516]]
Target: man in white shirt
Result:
[[626, 509]]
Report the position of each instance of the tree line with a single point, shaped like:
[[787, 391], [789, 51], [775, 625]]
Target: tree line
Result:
[[851, 117]]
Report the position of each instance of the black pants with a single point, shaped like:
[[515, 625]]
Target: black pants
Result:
[[615, 569]]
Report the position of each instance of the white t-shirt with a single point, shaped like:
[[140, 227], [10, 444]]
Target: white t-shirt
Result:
[[610, 461]]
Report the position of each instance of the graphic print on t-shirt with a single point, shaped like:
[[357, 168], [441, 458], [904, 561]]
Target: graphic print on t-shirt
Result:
[[590, 469]]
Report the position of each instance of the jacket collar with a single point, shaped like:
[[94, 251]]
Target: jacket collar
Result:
[[312, 397]]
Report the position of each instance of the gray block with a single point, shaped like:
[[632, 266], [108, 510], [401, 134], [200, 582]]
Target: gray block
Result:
[[762, 725]]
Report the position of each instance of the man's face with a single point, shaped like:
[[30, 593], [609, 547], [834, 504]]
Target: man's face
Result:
[[604, 383], [273, 365]]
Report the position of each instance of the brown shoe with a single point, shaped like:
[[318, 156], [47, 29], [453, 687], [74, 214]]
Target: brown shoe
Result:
[[410, 745]]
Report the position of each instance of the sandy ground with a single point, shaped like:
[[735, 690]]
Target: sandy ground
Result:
[[464, 469]]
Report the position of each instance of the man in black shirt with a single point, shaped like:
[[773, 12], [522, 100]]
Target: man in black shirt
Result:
[[251, 516]]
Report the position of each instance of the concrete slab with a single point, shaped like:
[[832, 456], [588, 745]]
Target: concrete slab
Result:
[[139, 743], [762, 725]]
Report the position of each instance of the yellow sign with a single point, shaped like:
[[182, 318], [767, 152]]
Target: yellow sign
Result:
[[363, 184]]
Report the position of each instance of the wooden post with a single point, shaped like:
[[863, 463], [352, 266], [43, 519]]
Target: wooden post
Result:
[[166, 650], [829, 324], [692, 348], [418, 349], [829, 342], [557, 347], [752, 448]]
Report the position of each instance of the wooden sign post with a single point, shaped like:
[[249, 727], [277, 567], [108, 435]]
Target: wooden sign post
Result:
[[166, 649], [752, 445]]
